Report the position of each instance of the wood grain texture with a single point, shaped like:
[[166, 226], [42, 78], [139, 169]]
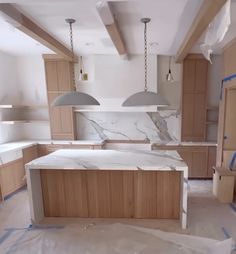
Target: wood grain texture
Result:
[[12, 177], [59, 81], [30, 28], [30, 153], [111, 194], [194, 98]]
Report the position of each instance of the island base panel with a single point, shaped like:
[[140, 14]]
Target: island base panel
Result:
[[111, 193]]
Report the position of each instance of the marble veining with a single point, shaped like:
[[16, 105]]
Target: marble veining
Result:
[[110, 160], [162, 126]]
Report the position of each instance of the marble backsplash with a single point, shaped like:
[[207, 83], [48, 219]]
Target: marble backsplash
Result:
[[162, 126]]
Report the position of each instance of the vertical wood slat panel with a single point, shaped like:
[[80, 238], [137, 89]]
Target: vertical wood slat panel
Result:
[[98, 194], [111, 194], [171, 204], [145, 194], [53, 189], [76, 201]]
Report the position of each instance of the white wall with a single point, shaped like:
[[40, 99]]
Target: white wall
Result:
[[22, 82], [9, 92], [31, 76], [215, 75], [170, 90], [113, 79]]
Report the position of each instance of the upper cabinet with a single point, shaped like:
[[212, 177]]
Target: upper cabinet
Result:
[[194, 97], [59, 80], [58, 75]]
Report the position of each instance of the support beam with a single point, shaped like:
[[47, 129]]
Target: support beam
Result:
[[27, 26], [206, 14], [112, 27], [116, 38]]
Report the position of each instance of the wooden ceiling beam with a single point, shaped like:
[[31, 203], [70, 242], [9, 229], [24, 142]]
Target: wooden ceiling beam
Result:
[[112, 27], [27, 26], [206, 14]]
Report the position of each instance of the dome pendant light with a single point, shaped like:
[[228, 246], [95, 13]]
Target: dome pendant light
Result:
[[169, 77], [145, 98], [74, 98]]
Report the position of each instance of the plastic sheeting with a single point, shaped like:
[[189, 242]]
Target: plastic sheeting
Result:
[[216, 31], [106, 239]]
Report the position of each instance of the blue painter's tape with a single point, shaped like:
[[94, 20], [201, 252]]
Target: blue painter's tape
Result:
[[6, 235], [226, 79], [31, 227], [233, 206], [231, 164], [227, 235]]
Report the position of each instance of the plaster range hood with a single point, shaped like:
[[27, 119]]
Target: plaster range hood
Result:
[[115, 105]]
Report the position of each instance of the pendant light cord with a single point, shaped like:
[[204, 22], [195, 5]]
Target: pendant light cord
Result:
[[72, 51], [145, 56]]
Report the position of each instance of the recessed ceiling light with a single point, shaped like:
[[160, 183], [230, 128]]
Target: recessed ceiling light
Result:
[[153, 44], [89, 44]]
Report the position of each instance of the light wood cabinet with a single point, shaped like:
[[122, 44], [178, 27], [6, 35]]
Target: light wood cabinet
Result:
[[12, 177], [111, 193], [58, 75], [30, 153], [199, 159], [59, 81], [194, 98], [196, 159]]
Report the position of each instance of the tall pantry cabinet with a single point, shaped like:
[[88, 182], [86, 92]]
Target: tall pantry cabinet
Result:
[[58, 73], [194, 98]]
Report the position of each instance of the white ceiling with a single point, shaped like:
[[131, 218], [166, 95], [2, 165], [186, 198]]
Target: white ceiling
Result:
[[231, 34], [171, 20]]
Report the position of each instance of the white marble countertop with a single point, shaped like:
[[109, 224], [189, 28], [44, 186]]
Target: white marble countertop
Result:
[[26, 143], [13, 150], [186, 143], [110, 160]]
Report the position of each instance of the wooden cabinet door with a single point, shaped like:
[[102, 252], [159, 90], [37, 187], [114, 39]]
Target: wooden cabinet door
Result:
[[187, 117], [30, 153], [55, 114], [196, 160], [186, 155], [199, 117], [199, 163], [189, 68], [201, 76], [51, 75], [194, 98], [59, 81], [64, 75], [12, 177]]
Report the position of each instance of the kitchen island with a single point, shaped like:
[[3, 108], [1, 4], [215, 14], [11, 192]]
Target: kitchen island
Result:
[[108, 184]]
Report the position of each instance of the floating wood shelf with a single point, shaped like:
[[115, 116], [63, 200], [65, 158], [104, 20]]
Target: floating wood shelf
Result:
[[24, 121], [10, 106]]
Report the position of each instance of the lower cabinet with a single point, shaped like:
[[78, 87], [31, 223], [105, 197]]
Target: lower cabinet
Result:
[[196, 159], [12, 174], [200, 159], [12, 177]]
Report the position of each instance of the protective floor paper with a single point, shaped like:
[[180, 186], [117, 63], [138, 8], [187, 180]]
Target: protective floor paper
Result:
[[106, 239]]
